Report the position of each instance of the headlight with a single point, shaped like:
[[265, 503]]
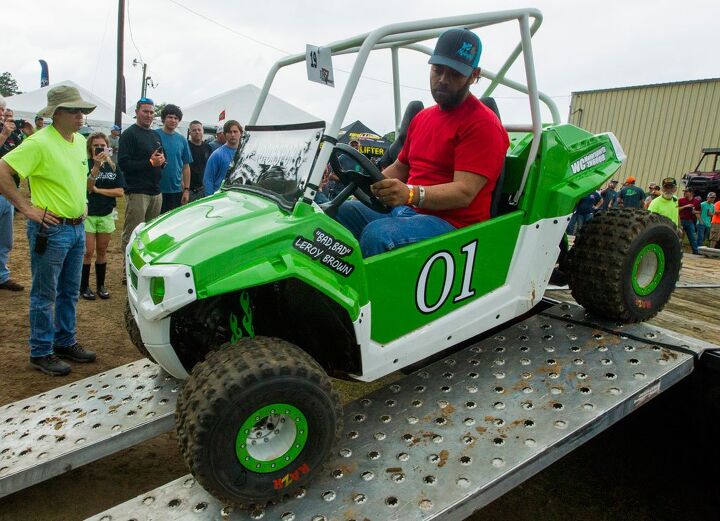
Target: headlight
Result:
[[157, 289]]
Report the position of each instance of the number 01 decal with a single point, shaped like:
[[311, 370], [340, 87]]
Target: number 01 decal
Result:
[[446, 258]]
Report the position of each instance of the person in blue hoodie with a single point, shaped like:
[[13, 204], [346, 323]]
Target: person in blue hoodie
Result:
[[221, 158]]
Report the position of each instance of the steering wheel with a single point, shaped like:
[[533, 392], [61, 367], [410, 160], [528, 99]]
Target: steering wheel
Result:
[[356, 182]]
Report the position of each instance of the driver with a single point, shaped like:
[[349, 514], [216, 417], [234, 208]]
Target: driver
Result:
[[445, 174]]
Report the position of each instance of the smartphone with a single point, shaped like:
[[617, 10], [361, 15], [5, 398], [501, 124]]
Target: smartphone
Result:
[[99, 150]]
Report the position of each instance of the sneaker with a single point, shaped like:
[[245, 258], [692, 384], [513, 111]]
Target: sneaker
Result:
[[103, 293], [88, 294], [50, 364], [75, 352], [11, 285]]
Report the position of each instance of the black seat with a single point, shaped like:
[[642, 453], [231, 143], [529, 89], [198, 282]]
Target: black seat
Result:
[[495, 204], [393, 150]]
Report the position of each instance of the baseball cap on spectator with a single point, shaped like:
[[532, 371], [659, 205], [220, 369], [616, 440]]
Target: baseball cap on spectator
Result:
[[38, 117], [116, 127], [219, 130], [458, 49], [669, 181], [144, 101], [711, 195], [630, 180], [67, 97]]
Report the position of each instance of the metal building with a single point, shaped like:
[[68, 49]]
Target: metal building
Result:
[[662, 127]]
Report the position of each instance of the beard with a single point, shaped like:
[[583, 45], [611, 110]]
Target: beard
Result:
[[447, 99]]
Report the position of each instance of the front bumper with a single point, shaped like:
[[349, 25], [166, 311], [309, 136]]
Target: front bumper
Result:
[[153, 319]]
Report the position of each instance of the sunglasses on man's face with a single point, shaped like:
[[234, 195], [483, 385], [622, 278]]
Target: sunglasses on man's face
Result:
[[73, 110]]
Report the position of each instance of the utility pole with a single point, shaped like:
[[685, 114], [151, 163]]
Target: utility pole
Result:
[[143, 86], [120, 82], [143, 91]]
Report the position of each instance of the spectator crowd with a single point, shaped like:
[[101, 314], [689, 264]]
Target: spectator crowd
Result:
[[75, 179], [695, 219]]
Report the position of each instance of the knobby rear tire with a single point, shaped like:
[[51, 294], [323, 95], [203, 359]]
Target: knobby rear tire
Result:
[[609, 274]]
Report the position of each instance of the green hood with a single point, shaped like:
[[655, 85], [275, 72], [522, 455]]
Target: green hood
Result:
[[214, 226]]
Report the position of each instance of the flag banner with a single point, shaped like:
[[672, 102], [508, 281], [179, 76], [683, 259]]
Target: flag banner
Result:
[[44, 74], [221, 117]]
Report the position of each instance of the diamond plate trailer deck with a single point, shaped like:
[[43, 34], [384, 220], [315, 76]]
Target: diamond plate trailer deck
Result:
[[53, 432], [452, 437]]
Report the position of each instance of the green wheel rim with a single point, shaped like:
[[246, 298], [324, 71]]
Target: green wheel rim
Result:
[[271, 438], [648, 269]]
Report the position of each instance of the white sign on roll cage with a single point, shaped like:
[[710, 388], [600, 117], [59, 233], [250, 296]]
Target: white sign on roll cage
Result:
[[406, 36]]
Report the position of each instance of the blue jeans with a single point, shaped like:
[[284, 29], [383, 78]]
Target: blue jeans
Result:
[[577, 221], [380, 232], [688, 227], [55, 286], [6, 236], [702, 234]]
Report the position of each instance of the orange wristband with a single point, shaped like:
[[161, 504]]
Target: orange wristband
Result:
[[411, 194]]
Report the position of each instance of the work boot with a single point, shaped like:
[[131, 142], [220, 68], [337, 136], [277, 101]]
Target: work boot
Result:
[[75, 352], [87, 294], [85, 280], [11, 285], [100, 270], [50, 364]]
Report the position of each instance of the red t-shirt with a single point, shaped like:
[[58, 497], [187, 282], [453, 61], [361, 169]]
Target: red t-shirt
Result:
[[468, 138], [687, 213]]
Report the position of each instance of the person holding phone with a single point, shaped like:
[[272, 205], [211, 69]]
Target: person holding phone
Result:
[[105, 183], [7, 213], [141, 160]]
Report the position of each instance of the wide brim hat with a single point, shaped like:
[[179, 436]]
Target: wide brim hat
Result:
[[65, 96]]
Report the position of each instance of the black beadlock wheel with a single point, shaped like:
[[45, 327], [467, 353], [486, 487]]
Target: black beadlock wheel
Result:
[[624, 264], [134, 333], [256, 421]]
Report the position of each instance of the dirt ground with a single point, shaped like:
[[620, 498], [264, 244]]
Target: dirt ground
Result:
[[647, 467]]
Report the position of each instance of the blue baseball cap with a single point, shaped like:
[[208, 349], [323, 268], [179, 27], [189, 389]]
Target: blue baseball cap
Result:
[[116, 127], [458, 49]]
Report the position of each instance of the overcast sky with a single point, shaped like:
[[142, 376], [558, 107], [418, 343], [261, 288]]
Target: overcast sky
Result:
[[224, 44]]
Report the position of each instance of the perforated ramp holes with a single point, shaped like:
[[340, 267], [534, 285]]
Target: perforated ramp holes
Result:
[[391, 501]]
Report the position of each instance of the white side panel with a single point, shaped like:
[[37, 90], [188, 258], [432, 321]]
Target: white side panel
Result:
[[534, 258]]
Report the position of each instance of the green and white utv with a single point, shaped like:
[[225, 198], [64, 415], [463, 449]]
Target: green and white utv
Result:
[[255, 295]]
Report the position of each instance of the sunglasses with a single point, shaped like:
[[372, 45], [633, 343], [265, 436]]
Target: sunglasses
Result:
[[74, 110]]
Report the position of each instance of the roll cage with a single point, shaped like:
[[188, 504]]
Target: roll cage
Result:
[[407, 35]]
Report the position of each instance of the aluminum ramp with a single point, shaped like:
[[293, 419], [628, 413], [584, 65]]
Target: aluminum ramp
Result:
[[452, 437], [53, 432]]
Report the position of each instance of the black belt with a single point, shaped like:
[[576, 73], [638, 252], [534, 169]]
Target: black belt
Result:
[[71, 221]]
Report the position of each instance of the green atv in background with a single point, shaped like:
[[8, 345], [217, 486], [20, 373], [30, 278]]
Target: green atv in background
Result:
[[256, 295]]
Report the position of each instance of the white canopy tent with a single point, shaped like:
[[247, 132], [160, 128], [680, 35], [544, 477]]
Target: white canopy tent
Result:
[[27, 105], [238, 104]]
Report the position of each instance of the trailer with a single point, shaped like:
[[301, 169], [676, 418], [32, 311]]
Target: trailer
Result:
[[439, 443]]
